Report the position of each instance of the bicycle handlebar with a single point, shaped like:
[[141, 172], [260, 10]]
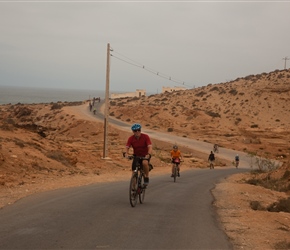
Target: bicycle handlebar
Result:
[[131, 157]]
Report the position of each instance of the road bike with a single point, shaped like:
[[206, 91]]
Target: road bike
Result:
[[176, 163], [137, 188]]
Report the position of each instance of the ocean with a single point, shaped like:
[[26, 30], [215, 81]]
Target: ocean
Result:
[[27, 95]]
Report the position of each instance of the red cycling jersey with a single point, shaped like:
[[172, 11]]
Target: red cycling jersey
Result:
[[139, 145]]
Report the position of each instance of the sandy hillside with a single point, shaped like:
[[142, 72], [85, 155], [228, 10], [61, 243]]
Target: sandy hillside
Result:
[[48, 146]]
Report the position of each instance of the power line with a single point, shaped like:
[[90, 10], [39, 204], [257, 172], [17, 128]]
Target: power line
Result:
[[150, 70]]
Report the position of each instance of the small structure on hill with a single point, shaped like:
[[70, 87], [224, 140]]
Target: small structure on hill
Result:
[[172, 89], [137, 93]]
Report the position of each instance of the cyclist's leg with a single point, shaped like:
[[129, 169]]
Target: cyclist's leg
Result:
[[134, 166], [145, 164]]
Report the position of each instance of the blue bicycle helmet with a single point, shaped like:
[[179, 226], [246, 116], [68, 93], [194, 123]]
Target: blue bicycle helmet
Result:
[[136, 126]]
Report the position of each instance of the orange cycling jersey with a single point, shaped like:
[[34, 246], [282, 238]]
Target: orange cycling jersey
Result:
[[175, 154]]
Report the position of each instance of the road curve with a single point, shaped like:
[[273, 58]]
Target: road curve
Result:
[[174, 216], [246, 161]]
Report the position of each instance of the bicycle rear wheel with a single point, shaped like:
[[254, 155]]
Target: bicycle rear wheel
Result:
[[175, 173], [133, 190], [141, 189]]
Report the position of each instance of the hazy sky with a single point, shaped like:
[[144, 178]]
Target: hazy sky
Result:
[[63, 44]]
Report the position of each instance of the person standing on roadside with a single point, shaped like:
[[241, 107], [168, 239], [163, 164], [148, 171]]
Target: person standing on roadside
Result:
[[237, 160], [211, 159], [142, 147]]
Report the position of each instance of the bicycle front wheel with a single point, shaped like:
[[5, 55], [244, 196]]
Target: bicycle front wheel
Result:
[[141, 189], [133, 190], [175, 173]]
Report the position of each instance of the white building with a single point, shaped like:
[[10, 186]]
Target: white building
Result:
[[171, 89], [137, 93]]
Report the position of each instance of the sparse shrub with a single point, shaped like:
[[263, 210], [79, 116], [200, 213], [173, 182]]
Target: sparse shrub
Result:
[[282, 245], [58, 156], [238, 120], [170, 130], [256, 205], [254, 126], [201, 93], [233, 92], [9, 121], [282, 205], [153, 115], [19, 143], [56, 106], [212, 114], [214, 89], [286, 175]]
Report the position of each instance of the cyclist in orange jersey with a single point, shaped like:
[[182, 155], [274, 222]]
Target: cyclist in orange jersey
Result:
[[176, 157]]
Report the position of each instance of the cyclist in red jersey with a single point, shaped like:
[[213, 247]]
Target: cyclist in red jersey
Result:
[[142, 147]]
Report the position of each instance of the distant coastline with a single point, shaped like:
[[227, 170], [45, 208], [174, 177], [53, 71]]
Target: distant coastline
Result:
[[28, 95]]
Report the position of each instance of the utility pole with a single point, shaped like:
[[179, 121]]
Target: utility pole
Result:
[[105, 148], [285, 58]]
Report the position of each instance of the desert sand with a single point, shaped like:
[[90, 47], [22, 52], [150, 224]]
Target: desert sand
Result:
[[58, 145]]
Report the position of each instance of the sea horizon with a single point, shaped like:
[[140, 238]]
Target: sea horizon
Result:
[[30, 95]]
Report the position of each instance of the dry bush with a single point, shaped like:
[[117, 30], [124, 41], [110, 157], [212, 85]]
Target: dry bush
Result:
[[212, 114], [282, 245], [233, 92], [200, 94], [256, 205], [58, 156], [56, 106], [282, 205]]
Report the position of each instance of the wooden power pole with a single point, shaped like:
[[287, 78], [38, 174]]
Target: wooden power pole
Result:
[[105, 148], [285, 58]]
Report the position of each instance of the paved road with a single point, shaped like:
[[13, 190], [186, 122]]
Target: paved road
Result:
[[174, 216], [245, 160]]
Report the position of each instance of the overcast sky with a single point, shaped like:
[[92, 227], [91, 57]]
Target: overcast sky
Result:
[[63, 44]]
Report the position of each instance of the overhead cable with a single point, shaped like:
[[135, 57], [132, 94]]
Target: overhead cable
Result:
[[152, 71]]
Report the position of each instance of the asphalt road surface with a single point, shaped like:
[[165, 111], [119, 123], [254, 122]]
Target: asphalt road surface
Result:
[[174, 215]]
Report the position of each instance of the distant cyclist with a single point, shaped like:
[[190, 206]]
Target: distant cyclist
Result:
[[142, 147], [237, 160], [211, 159], [176, 157], [215, 148]]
